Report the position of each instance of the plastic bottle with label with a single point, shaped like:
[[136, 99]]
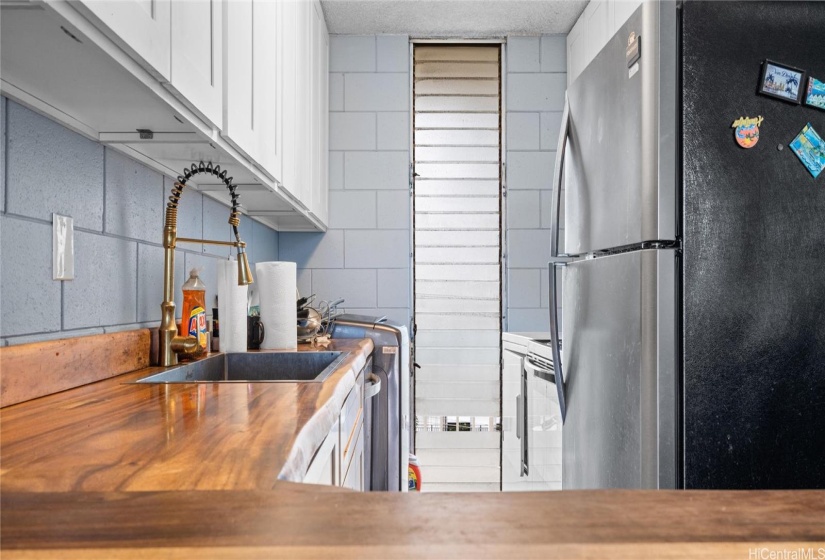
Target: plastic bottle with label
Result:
[[193, 317]]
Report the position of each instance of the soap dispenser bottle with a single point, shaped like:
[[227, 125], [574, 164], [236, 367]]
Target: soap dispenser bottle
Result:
[[193, 318]]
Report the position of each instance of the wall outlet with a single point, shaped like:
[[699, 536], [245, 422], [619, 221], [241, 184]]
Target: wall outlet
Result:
[[62, 247]]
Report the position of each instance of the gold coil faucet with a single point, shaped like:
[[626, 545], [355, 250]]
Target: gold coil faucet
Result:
[[170, 343]]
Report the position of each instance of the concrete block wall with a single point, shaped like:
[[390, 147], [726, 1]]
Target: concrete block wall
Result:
[[364, 257], [536, 81], [117, 206]]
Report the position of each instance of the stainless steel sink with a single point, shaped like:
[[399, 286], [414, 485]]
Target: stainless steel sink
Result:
[[253, 367]]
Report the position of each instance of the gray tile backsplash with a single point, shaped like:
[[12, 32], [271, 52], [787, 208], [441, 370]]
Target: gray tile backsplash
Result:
[[117, 206], [356, 286], [134, 195], [52, 170], [29, 298], [104, 289]]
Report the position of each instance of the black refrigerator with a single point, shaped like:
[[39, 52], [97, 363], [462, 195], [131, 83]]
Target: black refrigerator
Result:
[[691, 270]]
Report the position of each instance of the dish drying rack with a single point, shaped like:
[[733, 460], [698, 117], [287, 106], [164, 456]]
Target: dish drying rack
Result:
[[327, 310]]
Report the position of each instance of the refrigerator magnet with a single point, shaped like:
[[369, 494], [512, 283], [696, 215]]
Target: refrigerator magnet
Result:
[[810, 150], [815, 96], [781, 82], [747, 131]]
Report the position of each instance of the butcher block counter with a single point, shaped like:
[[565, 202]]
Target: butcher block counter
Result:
[[119, 471], [114, 435]]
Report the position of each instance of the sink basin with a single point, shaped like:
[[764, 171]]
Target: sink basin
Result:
[[255, 367]]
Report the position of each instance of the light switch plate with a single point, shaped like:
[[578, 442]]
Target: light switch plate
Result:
[[62, 247]]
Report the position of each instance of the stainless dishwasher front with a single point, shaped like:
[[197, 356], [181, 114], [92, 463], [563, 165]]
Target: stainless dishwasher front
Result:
[[389, 429]]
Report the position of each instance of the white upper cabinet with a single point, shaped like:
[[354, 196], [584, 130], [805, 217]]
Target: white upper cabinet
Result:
[[240, 83], [197, 56], [288, 70], [141, 27], [320, 117], [303, 73], [252, 98]]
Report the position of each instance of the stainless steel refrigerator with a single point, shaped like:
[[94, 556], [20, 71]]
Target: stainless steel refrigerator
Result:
[[692, 271]]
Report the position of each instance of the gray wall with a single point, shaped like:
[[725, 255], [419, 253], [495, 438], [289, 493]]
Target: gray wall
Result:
[[364, 257], [536, 81], [117, 206]]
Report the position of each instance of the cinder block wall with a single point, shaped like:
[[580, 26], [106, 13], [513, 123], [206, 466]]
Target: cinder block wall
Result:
[[364, 257], [117, 206], [536, 81]]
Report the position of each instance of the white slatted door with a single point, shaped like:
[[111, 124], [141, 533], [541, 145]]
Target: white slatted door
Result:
[[457, 238]]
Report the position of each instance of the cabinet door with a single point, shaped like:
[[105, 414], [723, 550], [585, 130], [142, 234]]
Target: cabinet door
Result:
[[354, 478], [250, 76], [290, 122], [142, 27], [197, 56], [266, 102], [324, 466], [320, 115], [511, 479]]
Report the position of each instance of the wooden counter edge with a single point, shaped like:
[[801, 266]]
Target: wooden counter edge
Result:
[[38, 369]]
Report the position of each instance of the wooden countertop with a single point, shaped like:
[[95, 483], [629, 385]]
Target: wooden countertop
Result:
[[115, 436], [114, 470], [304, 521]]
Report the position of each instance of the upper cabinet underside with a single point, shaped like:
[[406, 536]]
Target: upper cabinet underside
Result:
[[172, 83]]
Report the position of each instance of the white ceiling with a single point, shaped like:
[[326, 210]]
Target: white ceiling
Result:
[[451, 18]]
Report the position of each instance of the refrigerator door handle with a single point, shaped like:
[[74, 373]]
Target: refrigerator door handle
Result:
[[556, 259], [558, 177], [555, 342]]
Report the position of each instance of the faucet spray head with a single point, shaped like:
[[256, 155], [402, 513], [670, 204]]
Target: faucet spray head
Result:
[[244, 272]]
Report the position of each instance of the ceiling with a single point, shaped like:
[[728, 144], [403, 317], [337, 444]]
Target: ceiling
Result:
[[452, 18]]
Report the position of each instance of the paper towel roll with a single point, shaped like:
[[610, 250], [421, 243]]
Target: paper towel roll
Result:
[[231, 308], [276, 289]]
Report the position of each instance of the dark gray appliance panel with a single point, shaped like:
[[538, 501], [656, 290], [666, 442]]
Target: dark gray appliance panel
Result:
[[754, 254]]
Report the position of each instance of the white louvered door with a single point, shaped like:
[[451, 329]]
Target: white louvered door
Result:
[[457, 257]]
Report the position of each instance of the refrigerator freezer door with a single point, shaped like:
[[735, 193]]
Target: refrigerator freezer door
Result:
[[620, 165], [620, 371]]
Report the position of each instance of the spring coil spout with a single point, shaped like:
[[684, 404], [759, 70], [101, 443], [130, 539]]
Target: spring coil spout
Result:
[[195, 169], [170, 343]]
